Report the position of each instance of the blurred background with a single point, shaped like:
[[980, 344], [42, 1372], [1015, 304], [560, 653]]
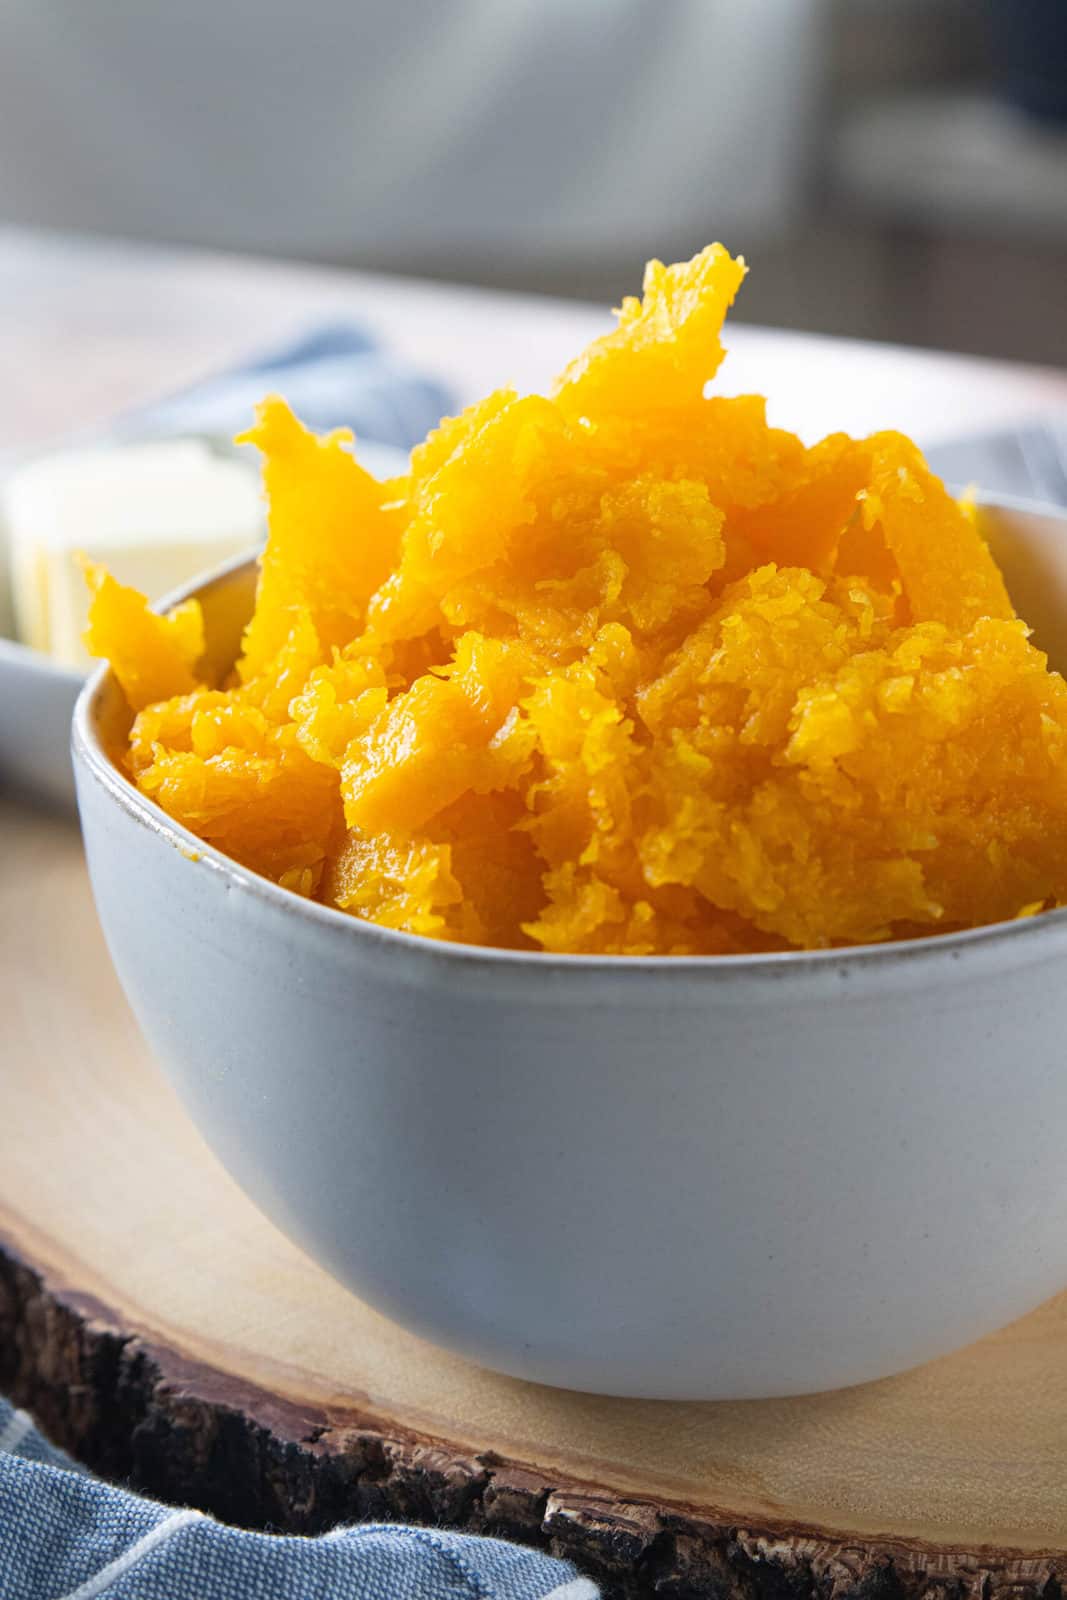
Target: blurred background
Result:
[[897, 169]]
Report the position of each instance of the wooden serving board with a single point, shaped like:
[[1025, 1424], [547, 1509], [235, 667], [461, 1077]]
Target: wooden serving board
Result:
[[165, 1332]]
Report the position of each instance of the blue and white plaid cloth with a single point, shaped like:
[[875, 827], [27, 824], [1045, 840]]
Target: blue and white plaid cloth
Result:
[[66, 1536]]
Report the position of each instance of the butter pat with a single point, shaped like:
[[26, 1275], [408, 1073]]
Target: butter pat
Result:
[[154, 514]]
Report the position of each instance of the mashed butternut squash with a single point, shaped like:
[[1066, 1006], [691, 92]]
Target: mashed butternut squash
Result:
[[621, 670]]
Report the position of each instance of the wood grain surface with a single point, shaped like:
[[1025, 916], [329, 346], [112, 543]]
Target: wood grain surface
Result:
[[165, 1331]]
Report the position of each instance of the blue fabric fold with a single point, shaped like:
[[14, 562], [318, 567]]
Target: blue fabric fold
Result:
[[1028, 462], [65, 1535], [334, 376]]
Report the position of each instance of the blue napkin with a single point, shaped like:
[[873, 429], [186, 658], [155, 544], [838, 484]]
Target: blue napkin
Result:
[[333, 376], [1028, 462], [64, 1535]]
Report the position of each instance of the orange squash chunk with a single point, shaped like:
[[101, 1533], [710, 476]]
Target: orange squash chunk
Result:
[[666, 347], [945, 568], [333, 535]]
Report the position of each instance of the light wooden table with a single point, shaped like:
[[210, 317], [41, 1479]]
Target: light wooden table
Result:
[[88, 327]]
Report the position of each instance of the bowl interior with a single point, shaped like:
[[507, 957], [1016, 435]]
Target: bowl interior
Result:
[[226, 598], [1029, 543]]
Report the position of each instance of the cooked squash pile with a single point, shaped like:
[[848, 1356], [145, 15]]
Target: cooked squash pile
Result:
[[624, 670]]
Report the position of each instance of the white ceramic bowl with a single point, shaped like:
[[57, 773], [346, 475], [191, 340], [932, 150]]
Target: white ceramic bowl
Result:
[[668, 1177]]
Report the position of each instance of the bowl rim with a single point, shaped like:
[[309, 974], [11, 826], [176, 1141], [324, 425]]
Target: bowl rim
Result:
[[91, 757]]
